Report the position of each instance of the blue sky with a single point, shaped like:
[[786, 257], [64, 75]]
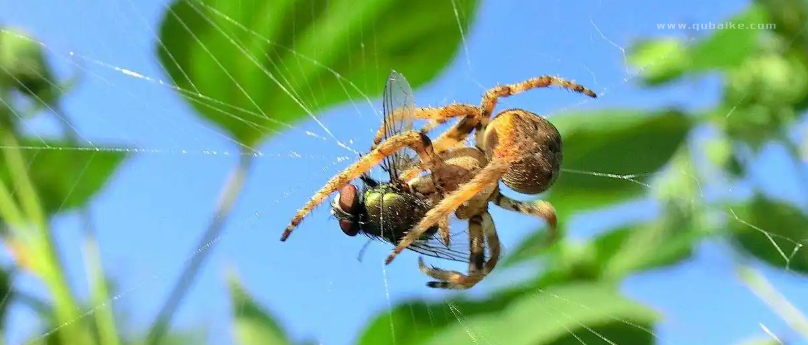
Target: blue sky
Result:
[[150, 216]]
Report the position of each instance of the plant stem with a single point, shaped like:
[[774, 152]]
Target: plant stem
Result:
[[96, 278], [104, 316], [227, 199], [761, 287], [46, 261]]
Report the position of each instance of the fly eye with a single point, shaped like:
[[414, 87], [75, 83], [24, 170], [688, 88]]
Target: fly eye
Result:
[[347, 199], [348, 227]]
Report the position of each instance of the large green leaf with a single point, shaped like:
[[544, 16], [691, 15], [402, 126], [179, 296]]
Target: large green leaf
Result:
[[526, 314], [773, 231], [556, 316], [415, 322], [65, 178], [260, 58], [609, 153], [252, 324]]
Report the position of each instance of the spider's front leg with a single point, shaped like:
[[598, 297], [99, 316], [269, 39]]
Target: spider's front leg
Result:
[[493, 95], [490, 174], [413, 139], [436, 117]]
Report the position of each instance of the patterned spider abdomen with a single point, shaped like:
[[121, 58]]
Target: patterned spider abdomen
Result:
[[532, 147]]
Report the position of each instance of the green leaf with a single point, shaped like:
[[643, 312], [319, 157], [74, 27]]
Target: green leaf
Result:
[[526, 249], [664, 60], [525, 314], [645, 246], [729, 46], [66, 179], [553, 315], [253, 325], [624, 144], [6, 290], [215, 47], [773, 231], [23, 66], [104, 314], [789, 17], [415, 322], [662, 242], [198, 336], [661, 60]]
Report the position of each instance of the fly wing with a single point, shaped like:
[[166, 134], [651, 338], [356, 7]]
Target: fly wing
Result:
[[434, 247], [399, 115]]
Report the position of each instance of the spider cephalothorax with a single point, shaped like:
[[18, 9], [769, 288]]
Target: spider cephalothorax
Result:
[[516, 146]]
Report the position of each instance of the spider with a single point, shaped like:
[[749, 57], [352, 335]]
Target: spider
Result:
[[516, 146]]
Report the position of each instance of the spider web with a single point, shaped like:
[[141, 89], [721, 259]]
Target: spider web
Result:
[[149, 216]]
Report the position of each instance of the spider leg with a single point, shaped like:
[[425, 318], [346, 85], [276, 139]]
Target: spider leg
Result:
[[443, 231], [445, 156], [437, 117], [413, 139], [490, 174], [538, 208], [493, 94], [478, 267], [459, 132], [476, 260]]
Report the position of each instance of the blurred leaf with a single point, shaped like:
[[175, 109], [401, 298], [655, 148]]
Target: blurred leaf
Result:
[[754, 125], [415, 322], [720, 151], [789, 17], [762, 97], [667, 59], [769, 79], [253, 324], [529, 314], [772, 231], [729, 46], [179, 337], [645, 246], [623, 144], [302, 45], [6, 296], [66, 179], [23, 66], [553, 315], [665, 241], [104, 313], [661, 60], [528, 248]]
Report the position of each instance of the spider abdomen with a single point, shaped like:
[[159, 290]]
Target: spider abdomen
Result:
[[532, 147]]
